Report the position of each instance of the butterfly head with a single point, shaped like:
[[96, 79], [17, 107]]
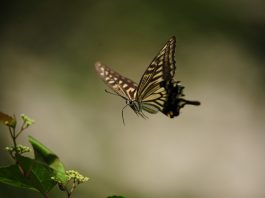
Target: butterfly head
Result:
[[134, 105]]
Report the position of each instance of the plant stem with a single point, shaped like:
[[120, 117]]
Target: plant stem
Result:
[[23, 127], [73, 187], [68, 194], [13, 136]]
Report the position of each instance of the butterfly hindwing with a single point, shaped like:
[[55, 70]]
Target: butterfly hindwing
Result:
[[175, 100], [123, 86]]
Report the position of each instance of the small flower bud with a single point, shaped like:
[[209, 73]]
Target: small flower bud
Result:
[[27, 119], [19, 149], [75, 175]]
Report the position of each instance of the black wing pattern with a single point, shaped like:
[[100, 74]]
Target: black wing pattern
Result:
[[175, 100], [123, 86]]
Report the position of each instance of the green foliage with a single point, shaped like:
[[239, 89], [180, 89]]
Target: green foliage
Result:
[[45, 155], [28, 173], [41, 173], [12, 175]]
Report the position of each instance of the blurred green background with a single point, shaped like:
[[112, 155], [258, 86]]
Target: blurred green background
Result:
[[47, 55]]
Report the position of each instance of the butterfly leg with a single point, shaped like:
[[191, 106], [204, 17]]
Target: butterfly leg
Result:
[[109, 92]]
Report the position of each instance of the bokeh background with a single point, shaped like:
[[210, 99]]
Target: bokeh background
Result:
[[47, 55]]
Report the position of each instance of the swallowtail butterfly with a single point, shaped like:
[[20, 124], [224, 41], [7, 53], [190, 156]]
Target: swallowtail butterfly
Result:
[[156, 91]]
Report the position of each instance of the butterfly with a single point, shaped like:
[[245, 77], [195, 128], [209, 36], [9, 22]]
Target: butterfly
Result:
[[156, 91]]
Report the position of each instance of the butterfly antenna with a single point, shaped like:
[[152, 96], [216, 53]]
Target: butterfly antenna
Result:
[[141, 113], [111, 93], [122, 114], [144, 116]]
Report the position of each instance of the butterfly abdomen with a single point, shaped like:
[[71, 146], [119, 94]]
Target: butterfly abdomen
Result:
[[174, 100]]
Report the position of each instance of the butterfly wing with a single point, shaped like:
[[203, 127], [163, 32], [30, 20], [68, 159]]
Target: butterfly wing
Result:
[[121, 85], [151, 91], [175, 100]]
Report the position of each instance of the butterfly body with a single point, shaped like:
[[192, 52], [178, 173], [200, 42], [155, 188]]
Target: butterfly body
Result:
[[156, 91]]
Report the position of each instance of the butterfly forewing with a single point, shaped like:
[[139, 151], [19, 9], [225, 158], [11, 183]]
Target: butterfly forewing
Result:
[[151, 90], [162, 68], [123, 86]]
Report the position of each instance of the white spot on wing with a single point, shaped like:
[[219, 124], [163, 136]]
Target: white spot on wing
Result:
[[125, 85]]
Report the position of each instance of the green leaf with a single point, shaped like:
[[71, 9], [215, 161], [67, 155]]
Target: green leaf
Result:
[[11, 175], [38, 174], [45, 155], [29, 174]]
